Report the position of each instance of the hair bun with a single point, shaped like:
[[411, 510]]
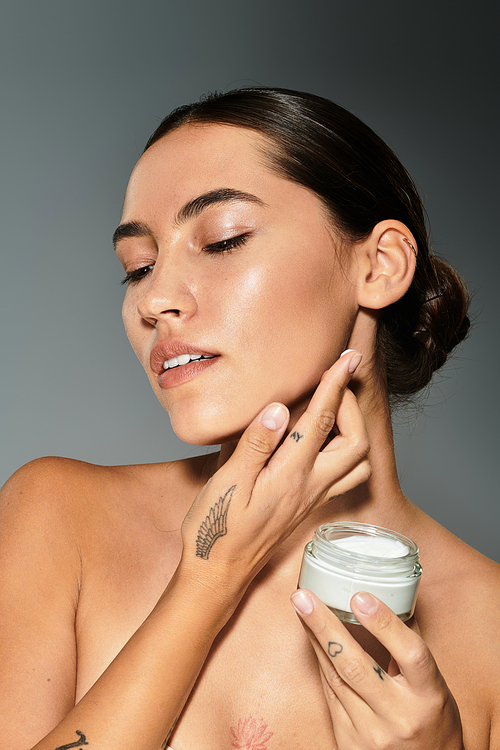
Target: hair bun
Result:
[[422, 328], [443, 313]]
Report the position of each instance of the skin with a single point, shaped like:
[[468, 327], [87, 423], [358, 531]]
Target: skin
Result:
[[279, 274], [105, 558]]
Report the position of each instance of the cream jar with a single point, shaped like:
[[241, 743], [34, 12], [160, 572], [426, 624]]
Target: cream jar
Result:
[[344, 558]]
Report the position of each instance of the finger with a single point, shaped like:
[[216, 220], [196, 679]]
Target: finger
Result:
[[332, 684], [406, 647], [350, 421], [259, 441], [350, 714], [254, 448], [348, 451], [357, 680], [317, 422], [337, 691]]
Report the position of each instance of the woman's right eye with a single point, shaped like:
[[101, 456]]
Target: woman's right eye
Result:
[[134, 276]]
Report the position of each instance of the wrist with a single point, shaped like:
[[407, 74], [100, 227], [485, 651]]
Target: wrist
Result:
[[200, 592]]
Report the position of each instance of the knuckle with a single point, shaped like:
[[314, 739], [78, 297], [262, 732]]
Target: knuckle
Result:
[[409, 727], [360, 446], [380, 740], [325, 422], [354, 670], [364, 471], [384, 620], [257, 442], [332, 677], [421, 658], [438, 701]]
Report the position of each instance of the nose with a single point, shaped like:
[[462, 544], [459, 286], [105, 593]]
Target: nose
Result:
[[166, 294]]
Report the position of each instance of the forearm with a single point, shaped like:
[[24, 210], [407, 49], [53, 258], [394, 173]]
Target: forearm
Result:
[[138, 698]]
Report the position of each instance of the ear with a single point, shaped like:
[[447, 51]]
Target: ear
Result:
[[386, 264]]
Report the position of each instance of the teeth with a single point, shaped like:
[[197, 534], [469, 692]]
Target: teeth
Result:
[[183, 359]]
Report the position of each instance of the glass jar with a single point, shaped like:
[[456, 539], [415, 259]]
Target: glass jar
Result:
[[344, 558]]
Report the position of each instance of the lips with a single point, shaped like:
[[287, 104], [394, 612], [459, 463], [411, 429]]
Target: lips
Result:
[[184, 359], [175, 362]]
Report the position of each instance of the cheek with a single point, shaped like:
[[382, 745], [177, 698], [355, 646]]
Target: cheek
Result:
[[132, 324], [243, 301]]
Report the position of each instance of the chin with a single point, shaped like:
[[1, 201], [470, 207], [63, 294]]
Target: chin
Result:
[[212, 428], [201, 436]]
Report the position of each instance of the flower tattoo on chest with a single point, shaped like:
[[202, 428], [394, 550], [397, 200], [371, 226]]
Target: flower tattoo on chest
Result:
[[250, 734]]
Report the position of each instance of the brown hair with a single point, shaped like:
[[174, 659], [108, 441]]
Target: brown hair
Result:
[[328, 150]]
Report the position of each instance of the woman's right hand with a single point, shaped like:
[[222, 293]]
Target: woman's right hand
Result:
[[264, 490]]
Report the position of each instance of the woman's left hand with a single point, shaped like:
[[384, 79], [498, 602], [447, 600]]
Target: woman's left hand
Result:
[[408, 708]]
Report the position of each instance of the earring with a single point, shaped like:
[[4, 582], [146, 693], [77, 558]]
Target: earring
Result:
[[405, 239]]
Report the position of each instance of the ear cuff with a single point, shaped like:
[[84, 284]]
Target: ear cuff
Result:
[[405, 239]]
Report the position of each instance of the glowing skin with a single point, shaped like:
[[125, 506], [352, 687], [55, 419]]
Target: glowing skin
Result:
[[277, 309]]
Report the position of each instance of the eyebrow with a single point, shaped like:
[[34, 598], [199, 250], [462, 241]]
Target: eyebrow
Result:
[[190, 210]]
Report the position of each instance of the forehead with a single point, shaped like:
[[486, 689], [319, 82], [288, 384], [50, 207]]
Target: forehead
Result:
[[195, 159]]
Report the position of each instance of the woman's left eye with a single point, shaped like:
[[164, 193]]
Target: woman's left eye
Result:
[[134, 276], [225, 246]]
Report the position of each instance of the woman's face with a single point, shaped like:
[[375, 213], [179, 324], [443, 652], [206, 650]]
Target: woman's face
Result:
[[227, 260]]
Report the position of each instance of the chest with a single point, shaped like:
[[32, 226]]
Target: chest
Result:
[[260, 687]]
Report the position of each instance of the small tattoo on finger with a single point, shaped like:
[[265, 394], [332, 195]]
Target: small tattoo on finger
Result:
[[296, 436], [380, 672], [78, 743], [334, 649]]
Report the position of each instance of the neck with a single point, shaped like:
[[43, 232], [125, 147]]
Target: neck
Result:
[[380, 500]]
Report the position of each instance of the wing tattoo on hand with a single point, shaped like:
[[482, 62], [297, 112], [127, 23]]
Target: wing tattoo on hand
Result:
[[214, 525]]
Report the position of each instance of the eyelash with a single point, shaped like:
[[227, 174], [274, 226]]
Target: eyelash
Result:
[[216, 248], [134, 276], [226, 246]]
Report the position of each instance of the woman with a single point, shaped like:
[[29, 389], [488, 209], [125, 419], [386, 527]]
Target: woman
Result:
[[264, 233]]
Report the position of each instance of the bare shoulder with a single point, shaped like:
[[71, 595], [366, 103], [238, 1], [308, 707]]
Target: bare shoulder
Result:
[[468, 581], [72, 536], [36, 501], [73, 490], [458, 611], [40, 576], [67, 509]]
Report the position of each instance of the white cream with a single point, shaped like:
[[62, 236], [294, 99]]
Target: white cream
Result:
[[375, 546], [344, 558]]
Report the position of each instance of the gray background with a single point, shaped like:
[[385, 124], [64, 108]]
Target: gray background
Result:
[[82, 86]]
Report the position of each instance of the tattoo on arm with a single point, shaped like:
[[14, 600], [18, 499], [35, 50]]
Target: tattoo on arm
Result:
[[334, 649], [214, 525], [296, 436], [78, 743], [379, 671]]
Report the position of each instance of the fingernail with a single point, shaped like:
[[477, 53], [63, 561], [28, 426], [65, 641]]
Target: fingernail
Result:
[[365, 603], [354, 360], [302, 602], [274, 416], [354, 363]]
